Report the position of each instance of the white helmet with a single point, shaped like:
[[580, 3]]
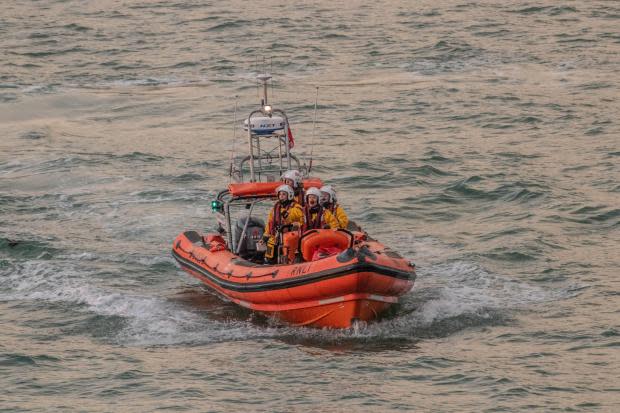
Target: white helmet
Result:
[[330, 191], [313, 191], [293, 175], [285, 188]]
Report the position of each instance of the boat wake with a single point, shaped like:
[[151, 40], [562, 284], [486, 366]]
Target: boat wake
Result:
[[451, 295]]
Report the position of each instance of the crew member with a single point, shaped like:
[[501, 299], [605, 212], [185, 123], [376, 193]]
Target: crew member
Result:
[[293, 178], [330, 203], [315, 216], [284, 212]]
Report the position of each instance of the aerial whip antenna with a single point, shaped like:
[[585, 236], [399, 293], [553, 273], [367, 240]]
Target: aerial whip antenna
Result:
[[271, 72], [256, 69], [316, 99], [232, 149]]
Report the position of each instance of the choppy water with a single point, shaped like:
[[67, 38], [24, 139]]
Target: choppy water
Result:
[[480, 139]]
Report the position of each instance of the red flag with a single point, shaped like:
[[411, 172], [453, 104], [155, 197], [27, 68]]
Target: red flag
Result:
[[291, 140]]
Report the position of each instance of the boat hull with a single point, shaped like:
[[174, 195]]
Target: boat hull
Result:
[[357, 284], [341, 314]]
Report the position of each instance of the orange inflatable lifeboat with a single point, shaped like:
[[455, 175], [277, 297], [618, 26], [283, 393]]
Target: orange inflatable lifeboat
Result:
[[358, 283], [323, 278], [326, 278]]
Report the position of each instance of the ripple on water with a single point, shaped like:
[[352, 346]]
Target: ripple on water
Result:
[[68, 162], [26, 249], [597, 214], [23, 360], [34, 135], [547, 10], [231, 24], [425, 170], [8, 97], [182, 178], [511, 192], [435, 157]]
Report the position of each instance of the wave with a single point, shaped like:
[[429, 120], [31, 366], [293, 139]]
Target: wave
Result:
[[231, 24], [24, 360], [50, 53], [425, 170], [67, 163], [17, 247], [597, 214], [449, 296], [520, 192], [547, 10]]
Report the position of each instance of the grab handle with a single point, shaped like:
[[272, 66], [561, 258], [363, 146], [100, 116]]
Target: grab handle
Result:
[[350, 234]]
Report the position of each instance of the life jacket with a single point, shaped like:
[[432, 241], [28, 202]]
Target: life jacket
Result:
[[313, 223], [280, 213]]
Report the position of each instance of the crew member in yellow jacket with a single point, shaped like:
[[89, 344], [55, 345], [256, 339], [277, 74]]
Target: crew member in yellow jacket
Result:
[[315, 216], [293, 178], [285, 212], [330, 203]]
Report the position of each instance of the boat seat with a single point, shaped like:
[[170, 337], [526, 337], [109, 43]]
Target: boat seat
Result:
[[313, 240], [290, 241]]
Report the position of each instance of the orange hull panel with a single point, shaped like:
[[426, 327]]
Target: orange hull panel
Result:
[[358, 284], [335, 315]]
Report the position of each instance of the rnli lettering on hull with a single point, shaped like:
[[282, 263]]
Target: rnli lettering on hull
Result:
[[301, 270]]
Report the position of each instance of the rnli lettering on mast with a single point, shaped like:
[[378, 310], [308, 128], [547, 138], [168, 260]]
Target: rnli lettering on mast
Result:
[[265, 124]]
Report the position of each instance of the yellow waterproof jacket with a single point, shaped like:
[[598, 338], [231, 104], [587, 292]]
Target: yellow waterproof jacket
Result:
[[290, 214], [327, 219], [340, 216]]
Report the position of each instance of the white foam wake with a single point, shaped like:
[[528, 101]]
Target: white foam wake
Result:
[[147, 319], [449, 296]]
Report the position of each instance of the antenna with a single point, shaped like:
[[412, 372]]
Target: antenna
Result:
[[264, 78], [232, 150], [271, 72], [257, 71], [316, 100]]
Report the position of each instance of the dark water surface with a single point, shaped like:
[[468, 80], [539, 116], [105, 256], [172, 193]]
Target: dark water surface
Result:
[[480, 139]]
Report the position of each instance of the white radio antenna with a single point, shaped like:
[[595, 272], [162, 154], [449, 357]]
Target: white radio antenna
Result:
[[232, 149], [316, 100]]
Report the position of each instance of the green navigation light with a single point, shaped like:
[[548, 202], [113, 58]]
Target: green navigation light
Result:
[[217, 206]]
